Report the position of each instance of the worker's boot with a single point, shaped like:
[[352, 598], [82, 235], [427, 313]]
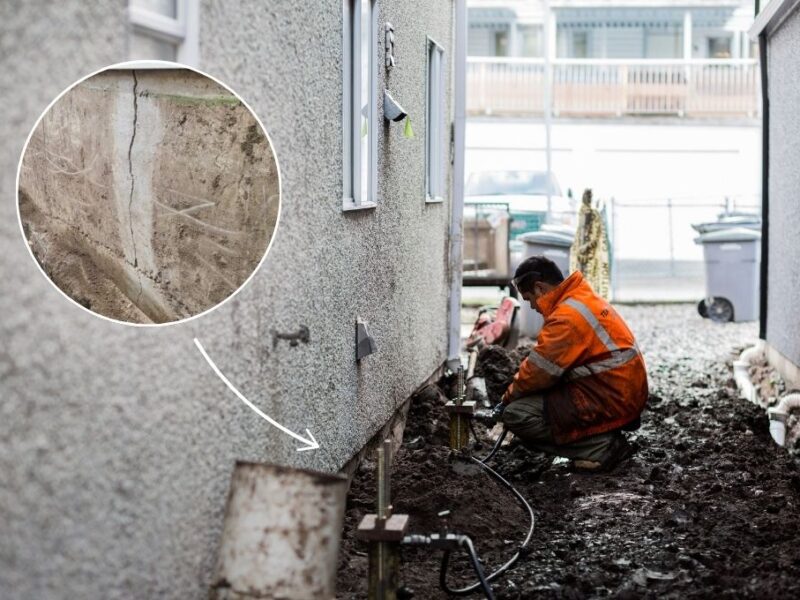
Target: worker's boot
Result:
[[618, 451]]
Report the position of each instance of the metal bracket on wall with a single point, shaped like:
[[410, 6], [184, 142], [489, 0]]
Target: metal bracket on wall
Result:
[[294, 338], [388, 39], [365, 344]]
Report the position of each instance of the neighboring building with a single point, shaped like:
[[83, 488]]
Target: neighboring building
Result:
[[615, 29], [612, 59], [117, 443], [777, 29]]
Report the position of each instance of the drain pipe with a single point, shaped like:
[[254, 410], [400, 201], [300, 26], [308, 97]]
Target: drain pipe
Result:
[[741, 372], [779, 414]]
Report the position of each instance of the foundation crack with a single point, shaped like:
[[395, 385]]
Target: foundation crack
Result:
[[133, 181]]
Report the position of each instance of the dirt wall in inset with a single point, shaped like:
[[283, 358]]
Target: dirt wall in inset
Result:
[[149, 195]]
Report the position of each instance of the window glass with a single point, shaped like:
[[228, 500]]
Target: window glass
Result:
[[435, 125], [365, 17], [719, 47], [501, 43], [167, 8], [580, 44]]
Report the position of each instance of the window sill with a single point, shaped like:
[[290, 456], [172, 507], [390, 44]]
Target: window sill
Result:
[[348, 206], [434, 200]]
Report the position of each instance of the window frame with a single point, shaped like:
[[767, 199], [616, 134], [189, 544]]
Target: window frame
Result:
[[182, 30], [351, 113], [434, 132]]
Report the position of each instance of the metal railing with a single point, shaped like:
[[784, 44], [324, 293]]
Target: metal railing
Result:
[[614, 87]]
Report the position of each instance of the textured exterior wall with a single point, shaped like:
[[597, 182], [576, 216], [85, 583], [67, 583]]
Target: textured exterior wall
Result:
[[783, 327], [148, 196], [116, 443]]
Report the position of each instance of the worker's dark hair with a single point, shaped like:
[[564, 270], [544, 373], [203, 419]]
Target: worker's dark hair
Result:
[[535, 269]]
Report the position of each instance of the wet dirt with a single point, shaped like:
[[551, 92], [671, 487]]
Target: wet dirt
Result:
[[708, 506]]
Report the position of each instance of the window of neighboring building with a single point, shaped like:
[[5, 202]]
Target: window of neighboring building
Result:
[[163, 30], [501, 43], [580, 44], [532, 41], [719, 47], [434, 172], [360, 100]]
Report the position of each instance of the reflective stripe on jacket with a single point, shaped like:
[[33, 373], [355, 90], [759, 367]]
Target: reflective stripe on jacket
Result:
[[585, 363]]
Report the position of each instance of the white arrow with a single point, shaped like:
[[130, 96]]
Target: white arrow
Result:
[[311, 443]]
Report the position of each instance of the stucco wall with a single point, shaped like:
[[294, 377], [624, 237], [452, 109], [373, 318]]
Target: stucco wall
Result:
[[783, 326], [150, 195], [116, 443]]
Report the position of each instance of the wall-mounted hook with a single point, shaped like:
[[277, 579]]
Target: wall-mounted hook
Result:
[[301, 335]]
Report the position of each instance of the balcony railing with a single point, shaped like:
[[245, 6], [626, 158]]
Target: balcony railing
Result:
[[720, 88]]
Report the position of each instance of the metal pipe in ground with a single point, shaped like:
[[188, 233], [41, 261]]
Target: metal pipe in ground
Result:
[[281, 534]]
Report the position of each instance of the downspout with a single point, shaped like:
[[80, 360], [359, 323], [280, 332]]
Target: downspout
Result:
[[457, 208], [741, 373], [762, 57]]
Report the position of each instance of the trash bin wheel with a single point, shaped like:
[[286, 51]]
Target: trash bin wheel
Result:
[[702, 309], [720, 310]]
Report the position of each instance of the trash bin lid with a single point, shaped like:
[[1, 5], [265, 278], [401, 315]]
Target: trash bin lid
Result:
[[547, 238], [732, 234], [727, 223]]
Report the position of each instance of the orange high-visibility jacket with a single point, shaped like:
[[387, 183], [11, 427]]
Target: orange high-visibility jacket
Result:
[[586, 364]]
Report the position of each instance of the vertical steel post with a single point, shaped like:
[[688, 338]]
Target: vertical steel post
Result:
[[671, 240]]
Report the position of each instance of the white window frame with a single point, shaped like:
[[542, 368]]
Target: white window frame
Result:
[[351, 109], [435, 124], [182, 31]]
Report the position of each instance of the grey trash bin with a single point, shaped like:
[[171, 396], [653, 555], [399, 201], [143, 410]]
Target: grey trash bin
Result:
[[554, 245], [732, 260]]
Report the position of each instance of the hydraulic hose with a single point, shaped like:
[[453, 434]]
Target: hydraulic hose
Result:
[[483, 582], [495, 448]]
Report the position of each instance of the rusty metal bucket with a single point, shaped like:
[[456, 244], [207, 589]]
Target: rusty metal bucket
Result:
[[281, 534]]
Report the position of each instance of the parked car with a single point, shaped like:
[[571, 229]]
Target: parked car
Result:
[[525, 192]]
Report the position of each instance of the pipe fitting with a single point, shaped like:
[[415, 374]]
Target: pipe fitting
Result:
[[779, 415], [741, 373]]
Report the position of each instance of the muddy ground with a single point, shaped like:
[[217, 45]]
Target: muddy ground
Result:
[[706, 508]]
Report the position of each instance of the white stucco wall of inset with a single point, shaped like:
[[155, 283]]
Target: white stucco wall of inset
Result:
[[783, 326], [117, 443]]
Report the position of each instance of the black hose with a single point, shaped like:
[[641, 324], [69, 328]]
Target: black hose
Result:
[[483, 583], [480, 584], [495, 448]]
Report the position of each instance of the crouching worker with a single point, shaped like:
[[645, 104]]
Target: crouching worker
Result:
[[583, 381]]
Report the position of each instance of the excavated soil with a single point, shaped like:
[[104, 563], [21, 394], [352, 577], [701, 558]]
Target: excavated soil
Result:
[[706, 508]]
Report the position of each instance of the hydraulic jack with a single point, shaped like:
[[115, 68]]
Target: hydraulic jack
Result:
[[383, 532], [461, 412]]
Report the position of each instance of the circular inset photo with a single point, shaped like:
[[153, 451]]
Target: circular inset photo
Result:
[[148, 195]]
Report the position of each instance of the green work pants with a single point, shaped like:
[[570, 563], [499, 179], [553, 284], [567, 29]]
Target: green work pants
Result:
[[525, 419]]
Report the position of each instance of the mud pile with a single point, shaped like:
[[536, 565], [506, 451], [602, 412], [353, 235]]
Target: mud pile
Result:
[[707, 507]]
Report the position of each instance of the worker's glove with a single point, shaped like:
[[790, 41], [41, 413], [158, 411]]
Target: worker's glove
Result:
[[497, 412]]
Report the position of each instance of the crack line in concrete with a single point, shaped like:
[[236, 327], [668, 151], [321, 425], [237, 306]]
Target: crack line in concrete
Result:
[[133, 182]]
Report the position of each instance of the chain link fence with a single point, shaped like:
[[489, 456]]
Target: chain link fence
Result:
[[654, 255]]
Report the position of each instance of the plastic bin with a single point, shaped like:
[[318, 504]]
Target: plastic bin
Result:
[[732, 261], [554, 245]]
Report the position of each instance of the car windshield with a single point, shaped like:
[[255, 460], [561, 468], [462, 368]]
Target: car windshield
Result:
[[511, 183]]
